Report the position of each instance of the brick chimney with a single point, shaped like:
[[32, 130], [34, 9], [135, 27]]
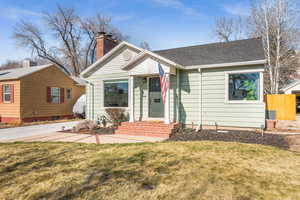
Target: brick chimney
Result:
[[105, 43]]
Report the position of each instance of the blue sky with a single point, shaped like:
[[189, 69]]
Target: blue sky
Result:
[[162, 23]]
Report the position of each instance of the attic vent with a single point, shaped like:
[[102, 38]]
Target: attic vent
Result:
[[127, 55], [2, 74]]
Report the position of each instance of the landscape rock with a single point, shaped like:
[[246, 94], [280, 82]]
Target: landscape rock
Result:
[[85, 125]]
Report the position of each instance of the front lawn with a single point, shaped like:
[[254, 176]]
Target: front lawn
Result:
[[170, 170]]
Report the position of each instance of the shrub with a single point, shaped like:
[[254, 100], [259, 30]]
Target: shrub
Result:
[[87, 124], [116, 115]]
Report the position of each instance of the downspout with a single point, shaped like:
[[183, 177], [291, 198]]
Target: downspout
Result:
[[178, 95], [200, 103], [91, 113]]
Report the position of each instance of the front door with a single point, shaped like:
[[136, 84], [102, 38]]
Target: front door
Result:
[[156, 106]]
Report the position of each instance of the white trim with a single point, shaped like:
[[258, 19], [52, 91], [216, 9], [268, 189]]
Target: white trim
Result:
[[255, 62], [290, 86], [260, 101], [106, 56], [167, 104], [103, 90], [152, 55], [131, 99]]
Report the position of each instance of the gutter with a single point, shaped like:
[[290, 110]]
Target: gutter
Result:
[[255, 62]]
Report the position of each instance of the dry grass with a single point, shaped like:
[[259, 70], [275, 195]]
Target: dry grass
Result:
[[171, 170]]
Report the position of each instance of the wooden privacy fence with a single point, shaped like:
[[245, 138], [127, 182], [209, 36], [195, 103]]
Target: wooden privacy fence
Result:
[[283, 104]]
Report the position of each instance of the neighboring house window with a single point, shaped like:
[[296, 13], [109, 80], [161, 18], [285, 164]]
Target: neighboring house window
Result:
[[6, 93], [116, 93], [244, 87], [69, 94], [55, 95]]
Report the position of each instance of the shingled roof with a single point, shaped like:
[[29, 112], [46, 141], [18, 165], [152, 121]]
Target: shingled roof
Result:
[[20, 72], [216, 53], [17, 73]]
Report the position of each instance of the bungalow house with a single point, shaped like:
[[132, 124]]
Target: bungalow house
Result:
[[219, 83], [37, 93]]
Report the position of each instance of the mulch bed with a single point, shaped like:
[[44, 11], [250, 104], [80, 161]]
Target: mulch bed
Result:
[[98, 131], [232, 136]]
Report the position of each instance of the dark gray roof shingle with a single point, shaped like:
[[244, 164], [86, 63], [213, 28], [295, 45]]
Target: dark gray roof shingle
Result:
[[216, 53]]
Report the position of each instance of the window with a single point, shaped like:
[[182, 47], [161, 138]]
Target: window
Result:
[[69, 93], [6, 93], [154, 84], [244, 87], [116, 93], [55, 95]]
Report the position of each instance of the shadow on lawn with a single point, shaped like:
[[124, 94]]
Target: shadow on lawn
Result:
[[106, 171]]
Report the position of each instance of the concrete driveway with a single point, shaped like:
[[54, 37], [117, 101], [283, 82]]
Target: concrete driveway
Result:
[[26, 131]]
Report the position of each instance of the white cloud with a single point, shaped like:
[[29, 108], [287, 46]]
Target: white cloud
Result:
[[177, 4], [15, 13], [240, 9]]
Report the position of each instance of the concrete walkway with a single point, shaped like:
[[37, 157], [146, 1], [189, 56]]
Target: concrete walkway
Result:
[[85, 138], [25, 131]]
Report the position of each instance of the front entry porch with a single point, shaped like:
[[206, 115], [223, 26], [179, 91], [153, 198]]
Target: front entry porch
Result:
[[149, 116], [149, 113], [146, 102]]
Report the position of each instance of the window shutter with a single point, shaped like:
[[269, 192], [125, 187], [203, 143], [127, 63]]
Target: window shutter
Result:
[[62, 95], [12, 93], [48, 94], [1, 93]]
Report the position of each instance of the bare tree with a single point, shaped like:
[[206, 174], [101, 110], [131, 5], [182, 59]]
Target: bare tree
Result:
[[74, 49], [278, 23], [28, 35], [11, 64], [145, 45], [227, 29], [91, 27]]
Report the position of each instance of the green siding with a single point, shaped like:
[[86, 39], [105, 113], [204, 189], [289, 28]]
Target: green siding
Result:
[[173, 98], [189, 96], [140, 98], [227, 114], [214, 108]]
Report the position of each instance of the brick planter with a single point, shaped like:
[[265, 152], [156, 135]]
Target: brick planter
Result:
[[271, 124], [151, 129]]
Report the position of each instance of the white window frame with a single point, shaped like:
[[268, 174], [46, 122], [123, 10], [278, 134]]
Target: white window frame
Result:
[[68, 97], [58, 95], [6, 93], [261, 87], [103, 90]]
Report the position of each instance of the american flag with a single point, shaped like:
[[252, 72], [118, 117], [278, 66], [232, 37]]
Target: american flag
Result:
[[164, 82]]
